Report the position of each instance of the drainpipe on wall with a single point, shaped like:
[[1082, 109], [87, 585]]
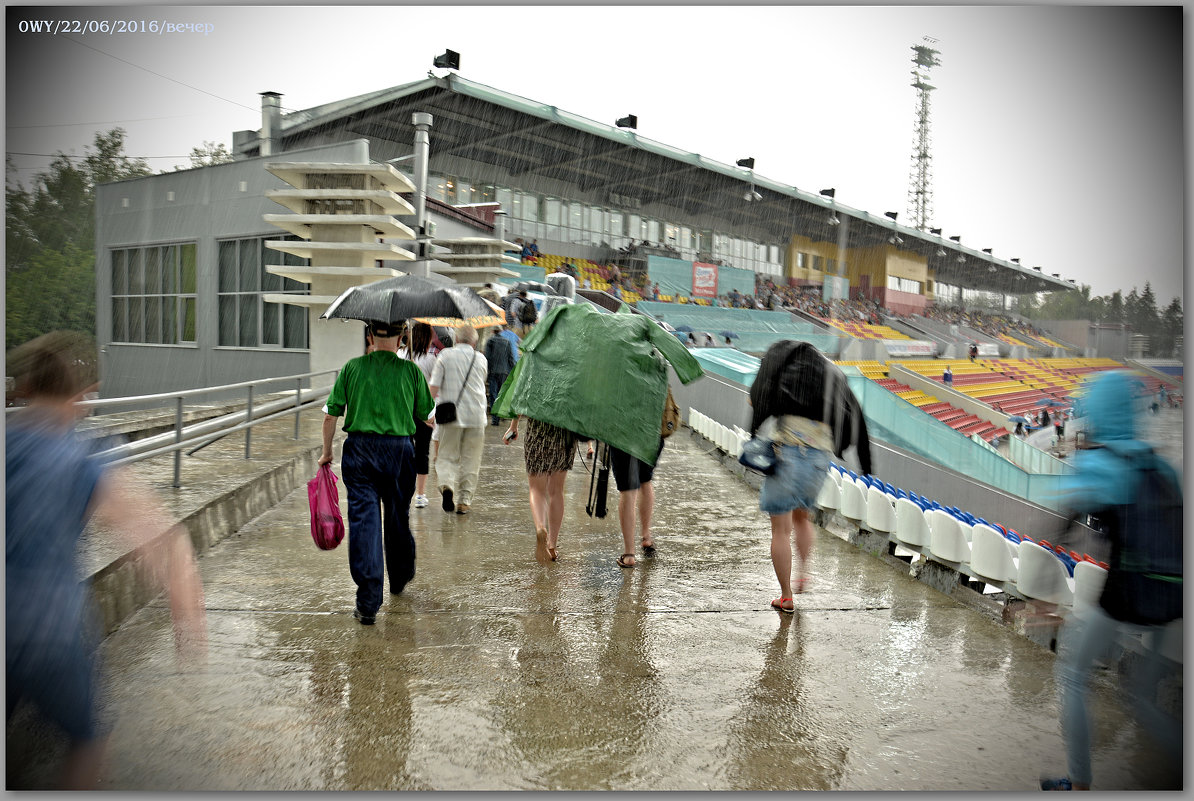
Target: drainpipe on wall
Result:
[[271, 121], [422, 123]]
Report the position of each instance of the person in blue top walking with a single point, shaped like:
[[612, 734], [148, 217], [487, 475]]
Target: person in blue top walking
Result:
[[53, 485], [1137, 496]]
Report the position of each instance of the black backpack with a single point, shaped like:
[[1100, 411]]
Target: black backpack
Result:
[[526, 313], [1144, 582]]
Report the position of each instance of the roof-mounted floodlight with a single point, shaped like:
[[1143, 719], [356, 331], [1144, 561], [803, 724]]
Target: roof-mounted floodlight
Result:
[[748, 163], [987, 251], [450, 60], [629, 121], [891, 214], [833, 220], [957, 239], [829, 192], [935, 231]]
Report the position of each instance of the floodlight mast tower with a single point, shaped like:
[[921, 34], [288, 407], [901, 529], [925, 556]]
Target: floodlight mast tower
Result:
[[920, 182]]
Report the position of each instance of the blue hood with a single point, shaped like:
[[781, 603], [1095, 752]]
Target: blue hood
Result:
[[1110, 406]]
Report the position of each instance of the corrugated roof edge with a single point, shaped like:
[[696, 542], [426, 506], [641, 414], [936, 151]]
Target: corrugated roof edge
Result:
[[316, 115]]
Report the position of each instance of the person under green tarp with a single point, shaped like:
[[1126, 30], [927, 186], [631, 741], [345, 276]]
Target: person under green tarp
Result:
[[598, 375], [587, 375]]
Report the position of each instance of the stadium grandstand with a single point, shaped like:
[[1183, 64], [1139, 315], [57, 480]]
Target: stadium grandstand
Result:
[[693, 242]]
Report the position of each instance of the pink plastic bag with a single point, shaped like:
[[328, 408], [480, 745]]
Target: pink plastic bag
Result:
[[327, 526]]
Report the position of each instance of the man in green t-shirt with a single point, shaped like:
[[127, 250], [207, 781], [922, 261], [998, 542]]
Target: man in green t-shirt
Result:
[[379, 394]]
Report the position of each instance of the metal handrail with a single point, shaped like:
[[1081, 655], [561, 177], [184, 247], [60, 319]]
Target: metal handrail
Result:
[[206, 439], [202, 431], [103, 403]]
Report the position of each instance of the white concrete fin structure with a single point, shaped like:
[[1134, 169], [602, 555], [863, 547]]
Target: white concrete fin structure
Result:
[[341, 212], [474, 261]]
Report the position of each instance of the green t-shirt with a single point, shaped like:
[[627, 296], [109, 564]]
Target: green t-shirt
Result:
[[380, 393]]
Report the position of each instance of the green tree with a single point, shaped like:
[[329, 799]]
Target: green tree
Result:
[[1172, 321], [1116, 312], [50, 240], [209, 154]]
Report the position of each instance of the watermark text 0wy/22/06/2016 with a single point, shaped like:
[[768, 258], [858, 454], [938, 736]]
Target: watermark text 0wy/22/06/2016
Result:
[[112, 26]]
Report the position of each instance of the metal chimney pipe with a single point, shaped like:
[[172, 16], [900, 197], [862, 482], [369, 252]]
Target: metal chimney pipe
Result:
[[422, 122], [499, 224], [271, 121]]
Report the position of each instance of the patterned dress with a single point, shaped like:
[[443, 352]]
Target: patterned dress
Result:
[[549, 448]]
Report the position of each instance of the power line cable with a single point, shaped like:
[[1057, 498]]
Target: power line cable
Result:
[[70, 156], [103, 122], [160, 75]]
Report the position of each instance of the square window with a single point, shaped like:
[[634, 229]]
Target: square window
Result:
[[120, 328], [188, 319], [248, 309], [227, 320], [294, 333], [120, 272], [188, 270]]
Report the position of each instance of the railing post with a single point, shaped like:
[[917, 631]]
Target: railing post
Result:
[[248, 419], [298, 401], [177, 440]]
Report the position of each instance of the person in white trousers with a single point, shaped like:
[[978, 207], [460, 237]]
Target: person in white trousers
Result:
[[459, 377]]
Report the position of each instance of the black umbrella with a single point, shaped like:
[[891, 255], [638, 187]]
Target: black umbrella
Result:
[[729, 335], [396, 299]]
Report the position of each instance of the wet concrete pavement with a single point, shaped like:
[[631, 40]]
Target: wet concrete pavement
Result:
[[494, 672]]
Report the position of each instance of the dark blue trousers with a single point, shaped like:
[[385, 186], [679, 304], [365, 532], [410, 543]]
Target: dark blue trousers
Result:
[[379, 475], [495, 387]]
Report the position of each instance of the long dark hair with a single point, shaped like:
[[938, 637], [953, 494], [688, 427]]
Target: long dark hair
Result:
[[420, 339]]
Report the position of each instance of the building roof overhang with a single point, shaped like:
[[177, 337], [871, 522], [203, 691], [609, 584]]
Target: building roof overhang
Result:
[[535, 141]]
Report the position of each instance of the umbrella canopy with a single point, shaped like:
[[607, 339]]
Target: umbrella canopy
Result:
[[394, 300], [495, 317], [1017, 418], [687, 329], [728, 334], [1049, 402]]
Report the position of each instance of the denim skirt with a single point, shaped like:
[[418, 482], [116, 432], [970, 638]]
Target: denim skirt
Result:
[[799, 473]]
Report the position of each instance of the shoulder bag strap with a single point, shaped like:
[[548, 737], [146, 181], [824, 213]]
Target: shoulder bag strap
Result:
[[464, 383]]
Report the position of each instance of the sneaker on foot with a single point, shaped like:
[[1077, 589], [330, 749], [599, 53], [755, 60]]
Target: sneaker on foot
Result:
[[462, 508], [447, 504], [420, 501]]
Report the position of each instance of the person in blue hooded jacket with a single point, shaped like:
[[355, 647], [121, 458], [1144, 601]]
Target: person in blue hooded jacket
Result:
[[1109, 469]]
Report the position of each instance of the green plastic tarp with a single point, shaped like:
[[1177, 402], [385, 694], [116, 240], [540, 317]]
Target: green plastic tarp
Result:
[[603, 376]]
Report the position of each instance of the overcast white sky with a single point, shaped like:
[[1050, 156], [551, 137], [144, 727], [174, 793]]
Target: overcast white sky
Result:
[[1057, 131]]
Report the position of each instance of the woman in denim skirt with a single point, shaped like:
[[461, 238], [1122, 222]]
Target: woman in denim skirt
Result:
[[801, 402]]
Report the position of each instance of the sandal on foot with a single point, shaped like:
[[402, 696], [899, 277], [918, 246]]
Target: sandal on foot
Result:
[[623, 560], [801, 585], [782, 605], [649, 548], [551, 553]]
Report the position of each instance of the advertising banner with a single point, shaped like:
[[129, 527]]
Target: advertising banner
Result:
[[704, 280], [910, 347]]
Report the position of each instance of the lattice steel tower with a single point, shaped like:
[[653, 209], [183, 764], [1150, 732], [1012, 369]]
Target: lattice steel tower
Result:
[[920, 179]]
